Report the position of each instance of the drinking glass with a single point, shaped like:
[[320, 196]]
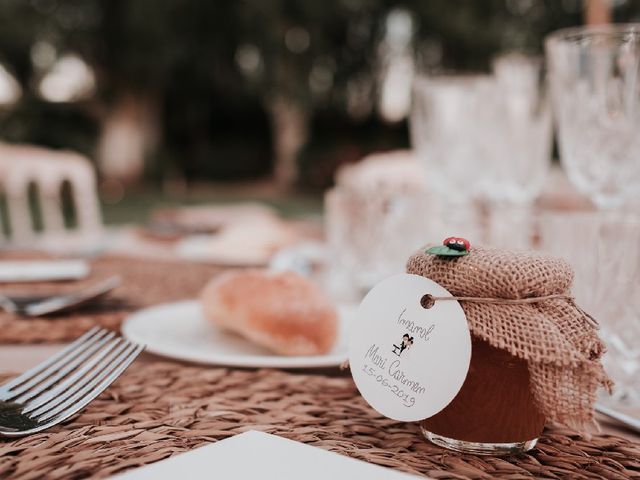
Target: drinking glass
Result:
[[517, 172], [594, 75], [485, 138], [524, 136], [604, 250], [453, 132], [376, 216]]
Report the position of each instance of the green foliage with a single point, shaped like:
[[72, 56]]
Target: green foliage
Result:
[[188, 56], [444, 251]]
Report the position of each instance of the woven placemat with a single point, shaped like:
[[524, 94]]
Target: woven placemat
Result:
[[160, 409], [144, 282]]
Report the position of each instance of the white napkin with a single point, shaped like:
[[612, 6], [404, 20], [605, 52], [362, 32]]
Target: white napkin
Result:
[[258, 455], [42, 270]]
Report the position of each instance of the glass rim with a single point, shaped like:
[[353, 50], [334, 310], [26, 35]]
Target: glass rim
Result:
[[571, 34]]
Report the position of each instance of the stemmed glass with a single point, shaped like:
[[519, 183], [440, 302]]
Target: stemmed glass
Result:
[[484, 138], [453, 133], [594, 75], [517, 173]]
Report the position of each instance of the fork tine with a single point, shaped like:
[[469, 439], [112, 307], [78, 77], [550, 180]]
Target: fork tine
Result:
[[52, 362], [76, 381], [24, 387], [66, 384], [73, 364], [95, 387]]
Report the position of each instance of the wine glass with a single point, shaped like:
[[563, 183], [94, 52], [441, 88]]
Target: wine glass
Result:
[[453, 132], [485, 138], [594, 75], [518, 172]]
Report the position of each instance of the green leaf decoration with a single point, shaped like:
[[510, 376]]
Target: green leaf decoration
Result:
[[444, 251]]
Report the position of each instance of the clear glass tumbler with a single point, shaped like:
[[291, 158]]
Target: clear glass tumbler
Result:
[[604, 250], [375, 217], [594, 73]]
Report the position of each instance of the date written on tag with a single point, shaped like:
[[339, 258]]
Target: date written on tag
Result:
[[388, 371], [408, 361]]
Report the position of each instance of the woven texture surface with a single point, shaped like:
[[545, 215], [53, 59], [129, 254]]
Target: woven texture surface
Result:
[[160, 409], [145, 282], [561, 348]]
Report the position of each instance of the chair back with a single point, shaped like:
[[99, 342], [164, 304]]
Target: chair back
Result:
[[23, 166]]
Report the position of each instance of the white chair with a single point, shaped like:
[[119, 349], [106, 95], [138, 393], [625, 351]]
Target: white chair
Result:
[[22, 166]]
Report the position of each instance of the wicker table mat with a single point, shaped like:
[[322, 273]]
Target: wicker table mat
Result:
[[144, 283], [160, 409]]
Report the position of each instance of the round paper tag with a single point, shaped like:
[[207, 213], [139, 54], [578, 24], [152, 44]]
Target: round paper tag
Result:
[[408, 361]]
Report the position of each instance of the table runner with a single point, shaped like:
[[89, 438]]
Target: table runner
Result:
[[159, 409], [145, 282]]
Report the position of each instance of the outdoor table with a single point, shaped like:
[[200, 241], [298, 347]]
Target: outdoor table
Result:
[[161, 407]]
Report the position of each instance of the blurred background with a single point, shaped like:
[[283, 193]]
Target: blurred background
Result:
[[186, 100], [332, 138]]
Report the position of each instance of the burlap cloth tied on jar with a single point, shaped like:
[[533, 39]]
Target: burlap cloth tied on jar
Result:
[[556, 338]]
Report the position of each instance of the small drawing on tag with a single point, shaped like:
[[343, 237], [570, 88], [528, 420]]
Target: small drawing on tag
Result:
[[406, 343]]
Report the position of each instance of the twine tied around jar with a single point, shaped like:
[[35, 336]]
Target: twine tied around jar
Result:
[[427, 301]]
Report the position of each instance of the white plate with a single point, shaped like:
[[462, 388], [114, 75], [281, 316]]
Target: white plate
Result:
[[199, 248], [179, 330]]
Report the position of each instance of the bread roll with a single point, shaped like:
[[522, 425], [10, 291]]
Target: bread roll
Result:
[[283, 312]]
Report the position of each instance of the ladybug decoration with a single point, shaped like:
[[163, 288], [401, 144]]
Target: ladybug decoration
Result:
[[460, 244], [451, 247]]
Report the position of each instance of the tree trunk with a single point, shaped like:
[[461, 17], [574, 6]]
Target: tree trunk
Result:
[[290, 129], [597, 12], [130, 132]]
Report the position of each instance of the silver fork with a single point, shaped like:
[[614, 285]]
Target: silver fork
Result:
[[38, 305], [62, 385]]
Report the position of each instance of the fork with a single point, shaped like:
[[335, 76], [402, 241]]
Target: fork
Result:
[[36, 306], [62, 385]]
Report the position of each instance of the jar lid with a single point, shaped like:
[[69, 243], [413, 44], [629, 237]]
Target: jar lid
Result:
[[492, 272]]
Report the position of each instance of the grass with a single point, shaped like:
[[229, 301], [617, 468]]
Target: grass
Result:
[[136, 206]]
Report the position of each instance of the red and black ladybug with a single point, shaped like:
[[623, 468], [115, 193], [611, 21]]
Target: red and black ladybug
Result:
[[457, 243], [451, 247]]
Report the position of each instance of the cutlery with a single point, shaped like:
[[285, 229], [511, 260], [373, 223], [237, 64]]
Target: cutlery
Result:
[[622, 418], [62, 385], [35, 306]]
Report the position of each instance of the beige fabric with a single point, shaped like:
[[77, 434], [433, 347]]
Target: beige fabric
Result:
[[561, 347]]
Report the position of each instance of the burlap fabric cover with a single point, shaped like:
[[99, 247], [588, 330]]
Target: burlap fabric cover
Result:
[[556, 339]]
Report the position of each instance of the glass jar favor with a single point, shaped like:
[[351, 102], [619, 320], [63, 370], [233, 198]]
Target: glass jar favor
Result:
[[494, 411], [535, 355]]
